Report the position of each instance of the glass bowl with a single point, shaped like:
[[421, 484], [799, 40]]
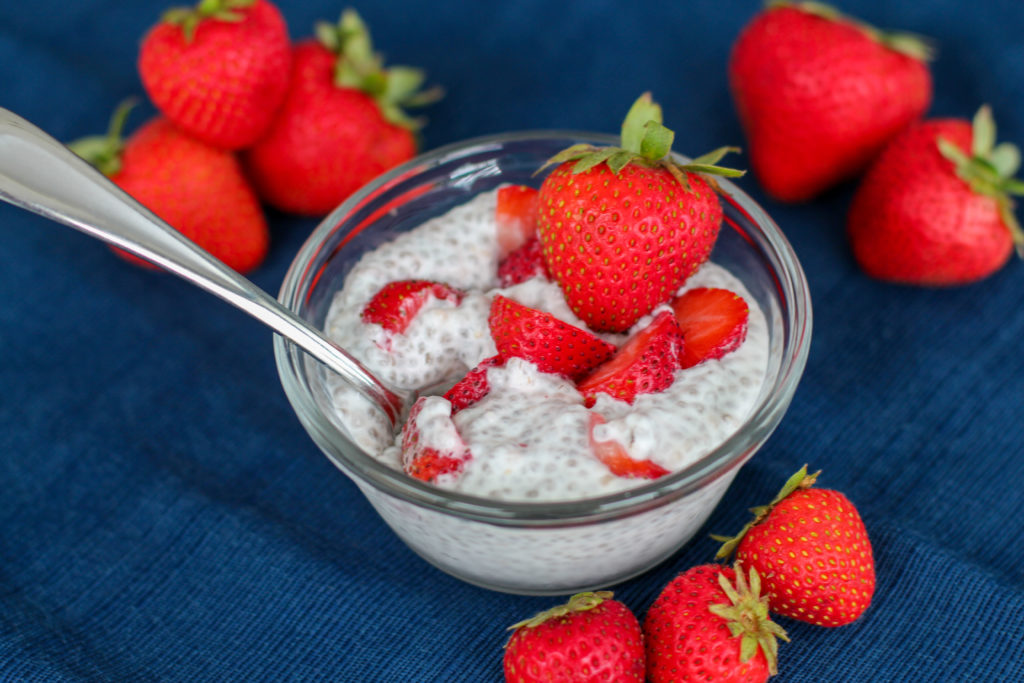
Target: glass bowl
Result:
[[523, 547]]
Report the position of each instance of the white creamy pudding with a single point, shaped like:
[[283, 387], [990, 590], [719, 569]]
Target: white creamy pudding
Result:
[[532, 436]]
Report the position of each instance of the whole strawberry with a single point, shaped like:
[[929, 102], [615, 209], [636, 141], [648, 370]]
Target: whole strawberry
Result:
[[198, 189], [812, 551], [591, 639], [219, 71], [341, 123], [622, 228], [935, 208], [819, 94], [711, 624]]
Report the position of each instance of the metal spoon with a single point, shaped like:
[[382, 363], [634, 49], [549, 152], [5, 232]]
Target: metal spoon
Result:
[[40, 174]]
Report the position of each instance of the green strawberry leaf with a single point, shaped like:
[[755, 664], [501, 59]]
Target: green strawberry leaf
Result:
[[644, 109], [983, 132], [657, 141], [1005, 157]]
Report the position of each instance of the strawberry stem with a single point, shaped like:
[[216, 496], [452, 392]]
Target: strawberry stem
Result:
[[104, 151], [747, 617], [189, 18], [358, 66], [645, 141], [909, 44], [800, 480], [989, 169], [581, 602]]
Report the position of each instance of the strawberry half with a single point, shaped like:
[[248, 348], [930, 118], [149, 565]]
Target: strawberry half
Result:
[[522, 264], [614, 455], [427, 463], [645, 364], [516, 216], [397, 303], [473, 386], [544, 340], [713, 321]]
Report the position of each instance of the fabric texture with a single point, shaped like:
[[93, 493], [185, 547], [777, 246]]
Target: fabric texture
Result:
[[164, 517]]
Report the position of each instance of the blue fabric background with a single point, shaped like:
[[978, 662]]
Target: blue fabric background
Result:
[[163, 516]]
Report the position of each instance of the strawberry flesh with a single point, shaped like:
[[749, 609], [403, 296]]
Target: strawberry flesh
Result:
[[516, 216], [552, 345], [713, 321], [473, 386], [618, 460], [645, 364], [522, 264], [397, 303], [423, 462]]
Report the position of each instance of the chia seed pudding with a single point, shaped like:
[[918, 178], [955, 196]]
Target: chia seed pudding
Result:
[[530, 436]]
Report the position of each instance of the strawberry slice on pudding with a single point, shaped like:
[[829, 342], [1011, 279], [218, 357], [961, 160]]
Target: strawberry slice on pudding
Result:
[[397, 303], [431, 445], [516, 217], [522, 264], [645, 364], [713, 321], [551, 344], [615, 456], [473, 386]]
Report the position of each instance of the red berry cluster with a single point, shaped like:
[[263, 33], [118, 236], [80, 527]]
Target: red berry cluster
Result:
[[806, 556], [824, 98], [248, 117]]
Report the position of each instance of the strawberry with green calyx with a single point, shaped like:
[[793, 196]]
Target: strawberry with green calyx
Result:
[[935, 208], [198, 189], [812, 551], [623, 227], [819, 94], [218, 70], [590, 639], [342, 122], [711, 623]]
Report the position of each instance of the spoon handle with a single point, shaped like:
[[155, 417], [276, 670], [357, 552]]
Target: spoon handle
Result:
[[40, 174]]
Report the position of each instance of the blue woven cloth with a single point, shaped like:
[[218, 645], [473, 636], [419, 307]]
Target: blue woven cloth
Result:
[[164, 517]]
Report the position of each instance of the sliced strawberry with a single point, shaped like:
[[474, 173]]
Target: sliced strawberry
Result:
[[424, 462], [397, 303], [541, 338], [713, 321], [522, 264], [645, 364], [473, 386], [516, 216], [617, 459]]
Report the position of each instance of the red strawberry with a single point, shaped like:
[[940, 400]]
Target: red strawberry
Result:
[[341, 123], [617, 458], [198, 189], [622, 228], [711, 624], [427, 463], [592, 639], [819, 94], [934, 209], [645, 364], [522, 264], [219, 71], [397, 303], [812, 552], [713, 321], [473, 386], [544, 340], [516, 216]]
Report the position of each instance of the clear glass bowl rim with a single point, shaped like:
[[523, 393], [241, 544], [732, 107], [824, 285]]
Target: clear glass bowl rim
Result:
[[731, 453]]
